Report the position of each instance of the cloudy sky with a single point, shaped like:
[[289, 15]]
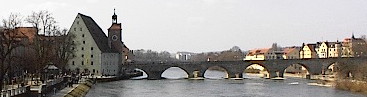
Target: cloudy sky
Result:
[[211, 25]]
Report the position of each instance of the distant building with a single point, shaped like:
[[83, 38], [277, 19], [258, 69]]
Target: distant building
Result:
[[25, 33], [257, 54], [184, 56], [354, 47], [291, 53], [334, 49], [274, 52], [97, 54], [308, 51], [321, 49], [24, 36]]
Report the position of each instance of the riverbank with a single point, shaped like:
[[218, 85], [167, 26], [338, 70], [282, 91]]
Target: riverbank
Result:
[[351, 85], [86, 83], [80, 90]]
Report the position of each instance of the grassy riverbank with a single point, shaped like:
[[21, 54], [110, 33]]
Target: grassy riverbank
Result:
[[352, 85]]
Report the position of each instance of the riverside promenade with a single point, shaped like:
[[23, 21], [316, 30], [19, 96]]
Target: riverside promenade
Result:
[[79, 89], [62, 92]]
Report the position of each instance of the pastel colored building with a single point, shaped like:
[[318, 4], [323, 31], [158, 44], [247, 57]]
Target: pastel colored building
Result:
[[291, 53], [308, 51]]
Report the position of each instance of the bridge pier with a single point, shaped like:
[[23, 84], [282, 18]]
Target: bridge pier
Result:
[[273, 74], [195, 74], [235, 75], [154, 75]]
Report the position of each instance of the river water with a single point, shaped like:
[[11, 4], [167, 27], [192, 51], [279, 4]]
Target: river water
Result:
[[214, 86]]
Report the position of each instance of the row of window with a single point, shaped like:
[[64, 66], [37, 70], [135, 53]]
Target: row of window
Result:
[[86, 70], [361, 43], [274, 57], [73, 63], [81, 29], [91, 48], [91, 56], [108, 70]]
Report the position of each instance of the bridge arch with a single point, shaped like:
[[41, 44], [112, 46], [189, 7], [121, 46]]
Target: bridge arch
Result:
[[254, 66], [218, 67], [330, 68], [144, 76], [183, 69], [296, 70]]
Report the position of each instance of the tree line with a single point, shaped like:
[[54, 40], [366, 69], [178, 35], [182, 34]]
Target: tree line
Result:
[[150, 55], [30, 49], [233, 54]]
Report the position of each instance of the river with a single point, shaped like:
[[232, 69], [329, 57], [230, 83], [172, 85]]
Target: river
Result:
[[214, 86]]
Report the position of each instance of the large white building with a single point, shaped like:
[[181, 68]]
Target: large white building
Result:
[[97, 54], [184, 56]]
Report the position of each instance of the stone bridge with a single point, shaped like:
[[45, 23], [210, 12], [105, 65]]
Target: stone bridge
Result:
[[235, 69]]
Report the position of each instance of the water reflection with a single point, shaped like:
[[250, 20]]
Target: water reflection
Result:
[[215, 74]]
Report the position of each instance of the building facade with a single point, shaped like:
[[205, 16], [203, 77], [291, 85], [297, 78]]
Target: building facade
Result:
[[275, 52], [322, 49], [308, 51], [257, 54], [291, 53], [184, 56], [334, 49], [354, 47], [97, 54]]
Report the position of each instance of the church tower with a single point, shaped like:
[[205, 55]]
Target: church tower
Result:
[[114, 32]]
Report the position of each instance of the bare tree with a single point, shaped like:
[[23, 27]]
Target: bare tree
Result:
[[51, 45], [43, 20], [7, 44], [14, 20], [45, 24], [64, 50]]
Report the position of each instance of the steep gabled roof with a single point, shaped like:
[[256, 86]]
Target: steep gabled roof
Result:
[[288, 50], [97, 33], [312, 47]]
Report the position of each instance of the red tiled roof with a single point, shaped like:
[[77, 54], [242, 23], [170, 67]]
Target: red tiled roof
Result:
[[258, 51]]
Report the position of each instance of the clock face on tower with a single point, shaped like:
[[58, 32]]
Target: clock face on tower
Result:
[[114, 37]]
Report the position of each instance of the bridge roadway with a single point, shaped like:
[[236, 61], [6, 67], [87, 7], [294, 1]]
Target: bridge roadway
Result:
[[235, 69]]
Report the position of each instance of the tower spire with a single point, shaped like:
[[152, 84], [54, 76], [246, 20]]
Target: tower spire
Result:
[[353, 36], [114, 17], [114, 11]]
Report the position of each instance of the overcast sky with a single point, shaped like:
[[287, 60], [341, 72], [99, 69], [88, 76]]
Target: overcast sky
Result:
[[211, 25]]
